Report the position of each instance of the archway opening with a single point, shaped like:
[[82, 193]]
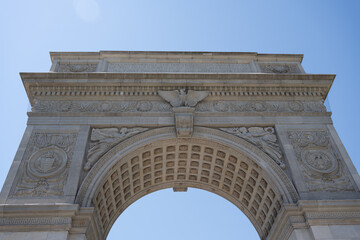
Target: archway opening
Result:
[[195, 214], [183, 163]]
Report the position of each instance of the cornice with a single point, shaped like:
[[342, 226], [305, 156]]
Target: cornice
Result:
[[305, 86], [215, 77], [176, 54]]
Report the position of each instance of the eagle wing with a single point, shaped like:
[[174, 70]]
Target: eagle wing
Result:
[[173, 97], [193, 97]]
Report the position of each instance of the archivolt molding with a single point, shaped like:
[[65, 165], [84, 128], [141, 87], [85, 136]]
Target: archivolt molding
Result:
[[225, 165]]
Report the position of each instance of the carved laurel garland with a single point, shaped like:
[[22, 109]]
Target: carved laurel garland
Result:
[[45, 163], [321, 164], [262, 137], [156, 106]]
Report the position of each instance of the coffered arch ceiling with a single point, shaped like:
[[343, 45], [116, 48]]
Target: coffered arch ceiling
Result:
[[211, 160]]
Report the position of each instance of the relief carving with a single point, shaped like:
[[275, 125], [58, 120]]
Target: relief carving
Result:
[[46, 161], [184, 121], [183, 104], [103, 139], [179, 67], [321, 164], [34, 221], [155, 106], [77, 67], [279, 68], [181, 98], [264, 138], [100, 106], [260, 106]]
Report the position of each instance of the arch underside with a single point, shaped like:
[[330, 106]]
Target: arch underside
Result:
[[197, 163]]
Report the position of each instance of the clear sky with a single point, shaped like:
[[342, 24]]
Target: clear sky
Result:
[[326, 32]]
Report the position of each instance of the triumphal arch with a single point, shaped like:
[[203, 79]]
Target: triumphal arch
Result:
[[107, 128]]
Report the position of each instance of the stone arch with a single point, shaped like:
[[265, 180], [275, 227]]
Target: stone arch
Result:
[[211, 160]]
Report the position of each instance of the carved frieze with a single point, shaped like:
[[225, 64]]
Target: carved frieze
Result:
[[262, 137], [100, 106], [46, 161], [156, 106], [320, 163], [279, 68], [179, 67], [103, 139], [76, 67], [261, 106]]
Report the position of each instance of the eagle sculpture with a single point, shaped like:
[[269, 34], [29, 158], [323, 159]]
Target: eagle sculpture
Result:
[[181, 98]]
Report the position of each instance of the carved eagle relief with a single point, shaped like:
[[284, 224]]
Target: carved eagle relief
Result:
[[181, 98]]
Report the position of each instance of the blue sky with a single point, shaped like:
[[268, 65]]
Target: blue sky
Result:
[[326, 32]]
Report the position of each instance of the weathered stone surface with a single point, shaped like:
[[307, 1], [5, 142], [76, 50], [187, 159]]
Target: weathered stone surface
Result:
[[107, 128]]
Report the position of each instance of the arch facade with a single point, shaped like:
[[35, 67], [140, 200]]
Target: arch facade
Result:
[[239, 172], [108, 128]]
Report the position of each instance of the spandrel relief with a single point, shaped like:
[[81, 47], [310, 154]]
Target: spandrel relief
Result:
[[46, 162], [103, 139], [320, 163], [264, 138]]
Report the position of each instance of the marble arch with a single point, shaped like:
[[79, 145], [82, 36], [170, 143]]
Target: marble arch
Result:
[[106, 128], [156, 159]]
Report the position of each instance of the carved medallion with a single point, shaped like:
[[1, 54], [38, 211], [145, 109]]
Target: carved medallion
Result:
[[319, 161], [296, 106], [144, 106], [221, 106], [105, 107], [47, 162], [258, 106]]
